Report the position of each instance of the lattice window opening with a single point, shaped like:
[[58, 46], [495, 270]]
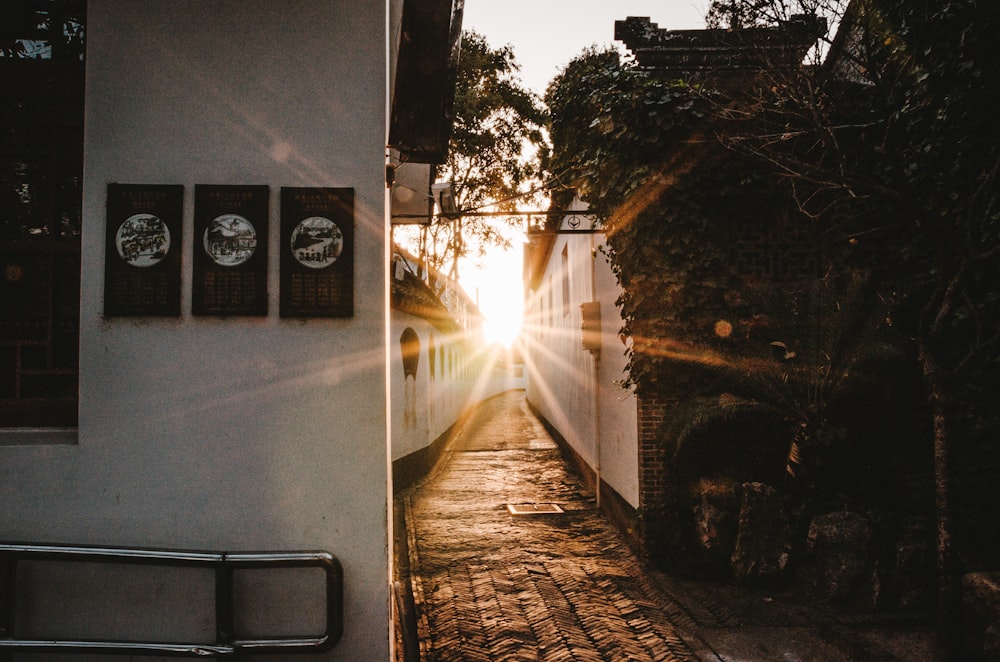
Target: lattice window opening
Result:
[[41, 163]]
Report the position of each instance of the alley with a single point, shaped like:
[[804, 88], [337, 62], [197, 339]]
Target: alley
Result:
[[491, 585]]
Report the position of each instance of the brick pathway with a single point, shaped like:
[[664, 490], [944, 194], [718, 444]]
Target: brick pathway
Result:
[[489, 585], [496, 586]]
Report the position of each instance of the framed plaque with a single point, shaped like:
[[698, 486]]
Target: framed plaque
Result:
[[230, 252], [142, 258], [317, 252]]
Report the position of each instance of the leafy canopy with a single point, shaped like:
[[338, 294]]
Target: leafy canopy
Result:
[[495, 149], [885, 160]]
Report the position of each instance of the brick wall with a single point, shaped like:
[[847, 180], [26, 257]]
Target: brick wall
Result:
[[652, 473]]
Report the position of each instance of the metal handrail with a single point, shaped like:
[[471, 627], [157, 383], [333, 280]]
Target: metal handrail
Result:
[[224, 565]]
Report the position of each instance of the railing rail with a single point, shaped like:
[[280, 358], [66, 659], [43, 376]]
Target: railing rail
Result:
[[224, 564]]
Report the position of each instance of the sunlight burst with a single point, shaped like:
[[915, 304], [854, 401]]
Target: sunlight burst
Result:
[[496, 284]]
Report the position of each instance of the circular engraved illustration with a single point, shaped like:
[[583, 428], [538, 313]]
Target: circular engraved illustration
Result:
[[142, 240], [317, 242], [230, 240]]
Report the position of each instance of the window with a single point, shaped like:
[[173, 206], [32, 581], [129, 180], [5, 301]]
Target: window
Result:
[[565, 280], [41, 164], [431, 355], [550, 307]]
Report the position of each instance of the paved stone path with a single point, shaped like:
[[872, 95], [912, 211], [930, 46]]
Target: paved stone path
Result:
[[489, 585]]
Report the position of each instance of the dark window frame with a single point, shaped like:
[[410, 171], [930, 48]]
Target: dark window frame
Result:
[[41, 167]]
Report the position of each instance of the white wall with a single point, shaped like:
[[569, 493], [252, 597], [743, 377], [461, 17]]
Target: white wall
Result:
[[563, 378], [236, 433], [464, 374]]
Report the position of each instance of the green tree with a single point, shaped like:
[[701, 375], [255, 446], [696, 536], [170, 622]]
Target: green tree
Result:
[[739, 14], [645, 152], [913, 152], [495, 149], [943, 157]]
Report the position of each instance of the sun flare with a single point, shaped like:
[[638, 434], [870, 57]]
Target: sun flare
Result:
[[502, 326], [495, 282]]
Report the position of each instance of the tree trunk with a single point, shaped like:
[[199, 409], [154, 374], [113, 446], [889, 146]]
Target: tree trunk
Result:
[[949, 608]]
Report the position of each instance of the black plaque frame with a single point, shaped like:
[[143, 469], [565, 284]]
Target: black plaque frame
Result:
[[230, 250], [142, 256], [317, 252]]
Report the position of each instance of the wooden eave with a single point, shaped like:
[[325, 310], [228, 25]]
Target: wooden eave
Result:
[[423, 92], [413, 296]]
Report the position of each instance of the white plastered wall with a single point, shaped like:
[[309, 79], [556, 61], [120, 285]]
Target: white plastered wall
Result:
[[463, 376], [562, 381], [235, 433]]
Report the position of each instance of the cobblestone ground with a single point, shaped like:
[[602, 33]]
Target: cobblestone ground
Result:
[[497, 586], [489, 585]]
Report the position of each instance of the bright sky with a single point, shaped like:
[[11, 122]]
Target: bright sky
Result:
[[545, 36]]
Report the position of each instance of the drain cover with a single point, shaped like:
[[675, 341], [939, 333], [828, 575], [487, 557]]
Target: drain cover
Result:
[[533, 508]]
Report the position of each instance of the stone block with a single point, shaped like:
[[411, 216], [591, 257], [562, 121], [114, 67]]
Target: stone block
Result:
[[763, 539], [840, 543]]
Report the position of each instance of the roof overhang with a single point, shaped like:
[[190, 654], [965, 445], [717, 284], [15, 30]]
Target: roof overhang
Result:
[[749, 49], [424, 88]]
